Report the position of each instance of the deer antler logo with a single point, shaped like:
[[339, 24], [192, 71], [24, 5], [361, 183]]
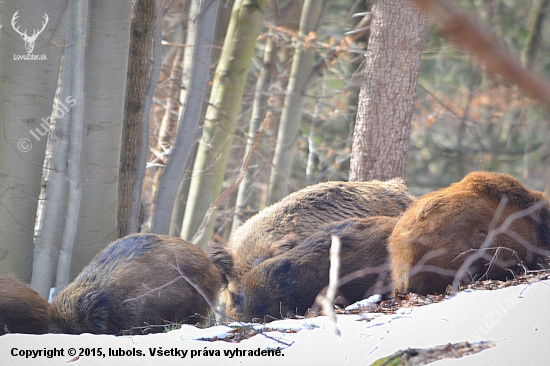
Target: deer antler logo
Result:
[[29, 40]]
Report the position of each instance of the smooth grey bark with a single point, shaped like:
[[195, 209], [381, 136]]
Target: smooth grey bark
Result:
[[79, 25], [106, 64], [27, 91], [54, 212], [188, 129]]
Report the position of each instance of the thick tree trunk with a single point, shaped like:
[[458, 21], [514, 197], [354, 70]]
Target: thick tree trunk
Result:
[[381, 139], [106, 64], [28, 81]]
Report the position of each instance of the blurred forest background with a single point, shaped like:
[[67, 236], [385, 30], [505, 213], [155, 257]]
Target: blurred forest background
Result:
[[463, 119]]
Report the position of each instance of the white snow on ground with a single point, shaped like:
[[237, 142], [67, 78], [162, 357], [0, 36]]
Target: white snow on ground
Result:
[[516, 318]]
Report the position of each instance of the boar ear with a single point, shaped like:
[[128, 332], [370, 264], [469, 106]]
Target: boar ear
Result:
[[284, 277], [95, 309], [283, 245], [220, 257]]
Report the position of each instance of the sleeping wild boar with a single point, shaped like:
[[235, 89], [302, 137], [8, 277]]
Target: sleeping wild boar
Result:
[[301, 213], [132, 283], [453, 220], [287, 284], [22, 310]]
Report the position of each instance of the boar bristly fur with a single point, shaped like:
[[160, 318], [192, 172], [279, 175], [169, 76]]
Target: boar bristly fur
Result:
[[301, 213], [113, 293], [448, 223], [287, 284], [22, 310]]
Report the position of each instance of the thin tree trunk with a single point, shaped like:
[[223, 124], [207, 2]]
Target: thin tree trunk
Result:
[[220, 121], [381, 139], [289, 126], [224, 14], [27, 91], [183, 73], [536, 17], [54, 212], [172, 105], [188, 129], [259, 108], [106, 66], [79, 25], [138, 75]]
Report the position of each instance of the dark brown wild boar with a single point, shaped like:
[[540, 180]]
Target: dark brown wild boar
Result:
[[22, 310], [456, 219], [287, 284], [113, 293], [301, 213]]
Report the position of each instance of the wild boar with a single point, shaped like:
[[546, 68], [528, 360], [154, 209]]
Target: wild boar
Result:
[[433, 233], [288, 283], [301, 213], [136, 281], [22, 310]]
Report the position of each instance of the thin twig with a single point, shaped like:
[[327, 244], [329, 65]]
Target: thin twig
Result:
[[327, 300], [503, 228]]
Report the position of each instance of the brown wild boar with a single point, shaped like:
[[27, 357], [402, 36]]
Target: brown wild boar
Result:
[[288, 283], [133, 282], [22, 310], [301, 213], [453, 220]]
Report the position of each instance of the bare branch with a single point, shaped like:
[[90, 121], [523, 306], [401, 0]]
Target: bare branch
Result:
[[468, 34], [503, 228]]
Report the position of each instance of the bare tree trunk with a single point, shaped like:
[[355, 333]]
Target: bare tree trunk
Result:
[[27, 91], [133, 220], [224, 15], [381, 138], [106, 66], [172, 106], [185, 69], [224, 106], [536, 17], [138, 74], [289, 127], [259, 108], [188, 128], [79, 25], [54, 212]]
